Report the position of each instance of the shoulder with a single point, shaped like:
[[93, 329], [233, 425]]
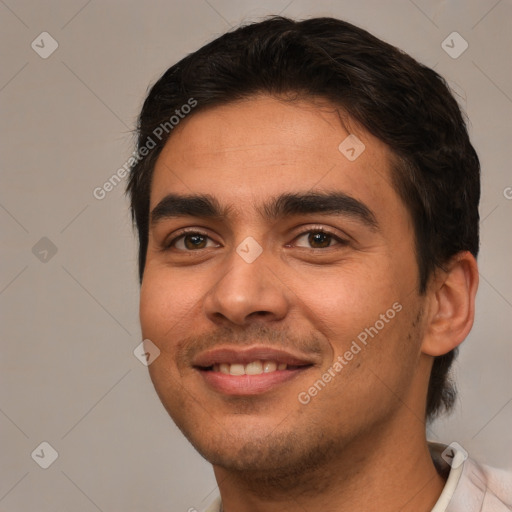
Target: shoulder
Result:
[[470, 486], [496, 485]]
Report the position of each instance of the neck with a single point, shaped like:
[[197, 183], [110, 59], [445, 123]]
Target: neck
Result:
[[385, 473]]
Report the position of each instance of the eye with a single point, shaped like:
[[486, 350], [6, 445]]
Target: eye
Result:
[[320, 239], [190, 241]]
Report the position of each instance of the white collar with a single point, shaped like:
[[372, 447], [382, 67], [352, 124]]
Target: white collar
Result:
[[439, 455]]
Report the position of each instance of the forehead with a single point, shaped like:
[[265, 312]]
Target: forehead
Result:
[[246, 151]]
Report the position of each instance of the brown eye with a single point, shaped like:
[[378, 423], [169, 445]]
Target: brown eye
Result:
[[190, 241], [320, 239], [194, 241]]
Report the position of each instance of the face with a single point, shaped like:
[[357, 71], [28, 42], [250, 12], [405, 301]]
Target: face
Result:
[[284, 299]]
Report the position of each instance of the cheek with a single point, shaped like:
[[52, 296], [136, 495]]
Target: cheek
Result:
[[166, 304], [366, 318], [345, 302], [374, 369], [165, 317]]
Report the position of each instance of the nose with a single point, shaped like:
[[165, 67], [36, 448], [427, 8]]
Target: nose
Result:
[[247, 292]]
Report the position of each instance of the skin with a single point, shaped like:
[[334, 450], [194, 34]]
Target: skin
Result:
[[359, 444]]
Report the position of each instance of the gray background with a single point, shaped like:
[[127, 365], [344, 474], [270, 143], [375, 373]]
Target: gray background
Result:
[[69, 320]]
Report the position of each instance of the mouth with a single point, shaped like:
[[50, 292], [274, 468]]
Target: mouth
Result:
[[249, 371]]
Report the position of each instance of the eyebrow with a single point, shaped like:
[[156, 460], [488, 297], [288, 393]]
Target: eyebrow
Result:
[[284, 205]]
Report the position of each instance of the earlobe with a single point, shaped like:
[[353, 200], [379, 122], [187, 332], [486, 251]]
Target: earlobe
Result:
[[452, 305]]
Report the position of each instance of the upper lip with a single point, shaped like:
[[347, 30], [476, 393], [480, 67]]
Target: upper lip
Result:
[[239, 355]]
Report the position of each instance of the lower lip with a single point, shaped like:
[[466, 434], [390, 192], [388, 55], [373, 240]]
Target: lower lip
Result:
[[248, 384]]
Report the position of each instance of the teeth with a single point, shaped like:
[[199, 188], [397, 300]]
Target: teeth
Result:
[[269, 366], [253, 368], [237, 369]]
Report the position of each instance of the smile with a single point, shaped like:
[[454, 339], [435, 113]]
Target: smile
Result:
[[235, 371], [253, 368]]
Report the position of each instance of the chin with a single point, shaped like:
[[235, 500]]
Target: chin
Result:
[[262, 452]]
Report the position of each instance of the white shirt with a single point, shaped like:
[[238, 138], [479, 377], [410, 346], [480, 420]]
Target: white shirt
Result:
[[470, 487]]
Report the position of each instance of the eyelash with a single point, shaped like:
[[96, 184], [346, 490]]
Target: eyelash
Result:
[[168, 245]]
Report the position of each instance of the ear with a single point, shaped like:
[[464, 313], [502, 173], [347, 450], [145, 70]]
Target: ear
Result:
[[451, 305]]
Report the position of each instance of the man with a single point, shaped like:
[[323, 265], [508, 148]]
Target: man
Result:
[[306, 198]]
